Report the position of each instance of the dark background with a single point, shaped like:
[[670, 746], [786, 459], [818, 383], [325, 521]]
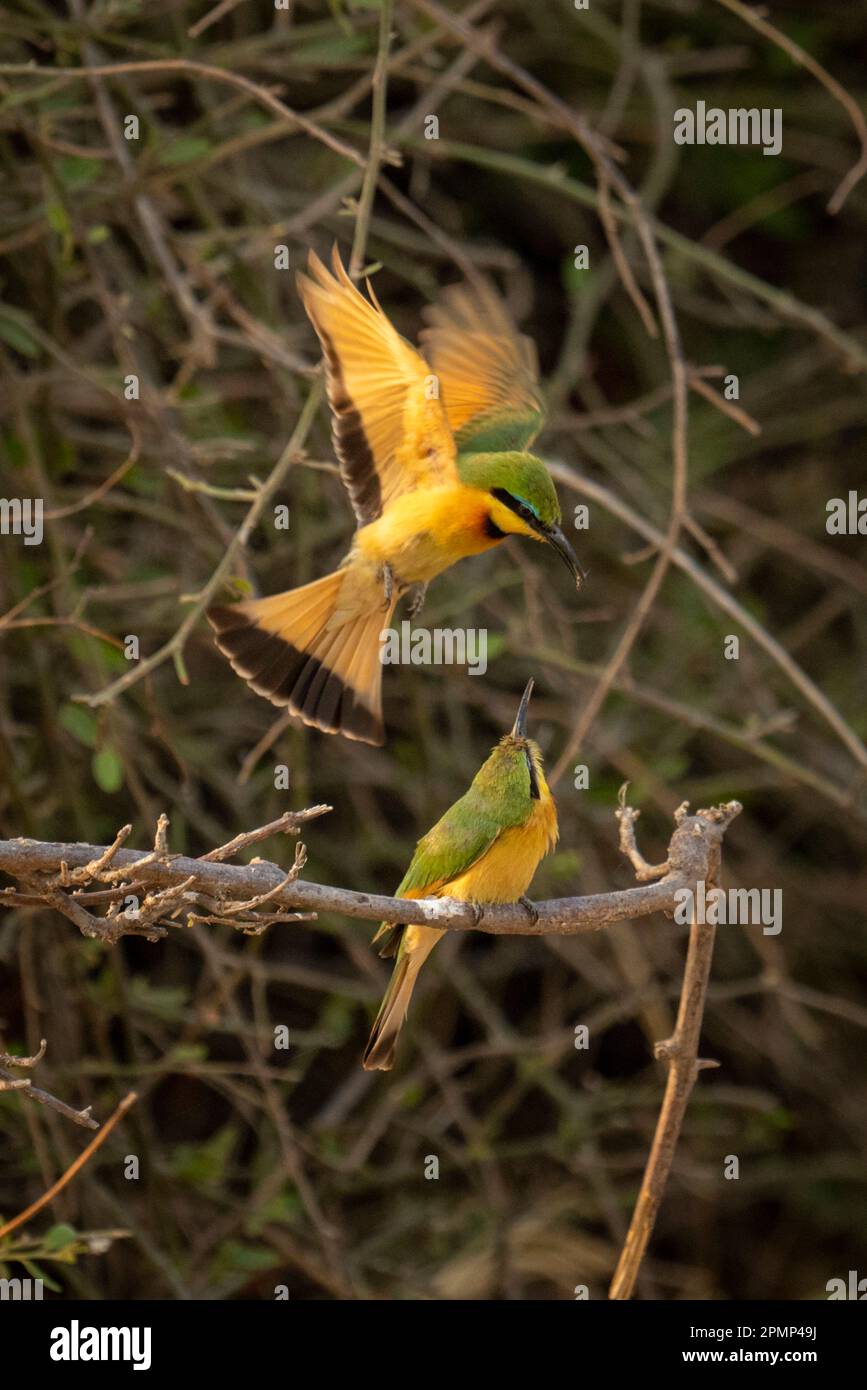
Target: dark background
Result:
[[261, 1167]]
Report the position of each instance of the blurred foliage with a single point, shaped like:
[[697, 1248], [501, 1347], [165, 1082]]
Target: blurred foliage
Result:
[[263, 1167]]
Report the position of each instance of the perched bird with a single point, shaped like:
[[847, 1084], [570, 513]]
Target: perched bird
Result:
[[485, 849], [433, 455]]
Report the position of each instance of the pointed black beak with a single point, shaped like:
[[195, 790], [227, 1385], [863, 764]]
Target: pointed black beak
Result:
[[555, 538], [519, 728]]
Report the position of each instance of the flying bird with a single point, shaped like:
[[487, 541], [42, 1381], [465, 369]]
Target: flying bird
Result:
[[485, 849], [433, 454]]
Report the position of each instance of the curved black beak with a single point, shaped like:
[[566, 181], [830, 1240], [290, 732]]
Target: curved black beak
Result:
[[519, 728], [555, 538]]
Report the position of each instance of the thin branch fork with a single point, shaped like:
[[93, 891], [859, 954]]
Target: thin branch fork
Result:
[[680, 1051], [10, 1082], [62, 879], [55, 875]]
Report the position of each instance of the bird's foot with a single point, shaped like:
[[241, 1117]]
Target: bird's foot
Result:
[[478, 913], [417, 600], [529, 908], [387, 575]]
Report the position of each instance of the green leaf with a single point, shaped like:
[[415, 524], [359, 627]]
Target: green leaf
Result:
[[337, 1018], [78, 171], [166, 1001], [411, 1096], [58, 219], [60, 1236], [107, 770], [47, 1280], [187, 1052], [248, 1257], [321, 52], [281, 1210], [15, 333], [183, 151], [79, 722], [204, 1165]]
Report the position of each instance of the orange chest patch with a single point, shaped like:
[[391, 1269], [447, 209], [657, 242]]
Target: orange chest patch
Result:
[[422, 533]]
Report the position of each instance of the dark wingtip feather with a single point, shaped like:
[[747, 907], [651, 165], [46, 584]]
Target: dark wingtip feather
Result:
[[292, 679]]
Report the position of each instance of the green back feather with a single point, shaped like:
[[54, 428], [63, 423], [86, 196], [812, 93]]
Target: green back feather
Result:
[[498, 431], [498, 798]]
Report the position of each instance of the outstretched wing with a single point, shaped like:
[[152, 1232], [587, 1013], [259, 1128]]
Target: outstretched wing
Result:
[[390, 431], [488, 373]]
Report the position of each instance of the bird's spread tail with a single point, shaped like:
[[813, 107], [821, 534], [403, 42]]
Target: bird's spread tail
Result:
[[294, 649], [379, 1053]]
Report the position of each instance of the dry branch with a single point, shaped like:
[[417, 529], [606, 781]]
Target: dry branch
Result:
[[235, 893], [74, 1167], [61, 877], [10, 1082], [680, 1051], [53, 875]]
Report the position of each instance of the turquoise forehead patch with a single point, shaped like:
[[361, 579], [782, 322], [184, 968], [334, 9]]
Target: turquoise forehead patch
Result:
[[530, 505]]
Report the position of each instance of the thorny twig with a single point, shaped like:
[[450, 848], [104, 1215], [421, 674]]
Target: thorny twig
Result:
[[65, 884], [680, 1051], [23, 1084], [217, 884]]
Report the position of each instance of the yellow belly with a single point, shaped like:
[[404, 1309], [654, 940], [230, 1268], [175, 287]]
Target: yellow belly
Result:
[[422, 533], [503, 874]]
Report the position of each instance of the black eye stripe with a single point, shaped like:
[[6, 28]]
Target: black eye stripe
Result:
[[534, 781], [513, 504]]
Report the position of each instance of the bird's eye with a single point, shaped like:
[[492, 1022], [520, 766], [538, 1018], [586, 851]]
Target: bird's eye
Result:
[[526, 509], [519, 505]]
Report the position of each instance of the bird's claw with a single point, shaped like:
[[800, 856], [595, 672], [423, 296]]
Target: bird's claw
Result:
[[529, 908], [417, 601], [387, 574], [478, 913]]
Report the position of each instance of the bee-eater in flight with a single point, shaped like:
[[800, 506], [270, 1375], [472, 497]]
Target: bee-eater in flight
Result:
[[485, 849], [434, 457]]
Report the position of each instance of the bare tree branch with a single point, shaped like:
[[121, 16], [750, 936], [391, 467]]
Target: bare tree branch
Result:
[[195, 883], [10, 1082], [74, 1167], [680, 1051]]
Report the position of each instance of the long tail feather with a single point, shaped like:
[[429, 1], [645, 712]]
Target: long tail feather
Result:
[[379, 1053], [294, 650]]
